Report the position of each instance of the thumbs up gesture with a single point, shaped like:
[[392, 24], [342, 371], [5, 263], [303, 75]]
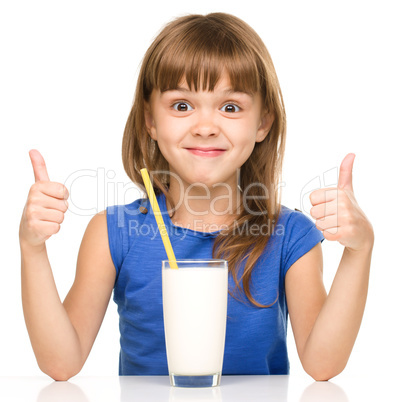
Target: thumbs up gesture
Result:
[[337, 213], [45, 206]]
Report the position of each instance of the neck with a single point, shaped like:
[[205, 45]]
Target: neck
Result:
[[205, 209]]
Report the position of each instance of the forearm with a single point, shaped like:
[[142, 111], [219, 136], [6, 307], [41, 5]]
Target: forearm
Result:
[[333, 335], [53, 337]]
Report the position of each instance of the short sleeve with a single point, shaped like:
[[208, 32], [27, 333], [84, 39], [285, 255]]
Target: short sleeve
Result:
[[122, 220], [116, 236], [300, 237]]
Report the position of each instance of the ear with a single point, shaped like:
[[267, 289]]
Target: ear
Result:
[[265, 126], [149, 121]]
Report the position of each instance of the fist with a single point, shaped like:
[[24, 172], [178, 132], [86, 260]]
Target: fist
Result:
[[337, 213], [45, 206]]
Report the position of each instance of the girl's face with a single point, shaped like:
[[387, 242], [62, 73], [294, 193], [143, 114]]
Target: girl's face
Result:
[[206, 136]]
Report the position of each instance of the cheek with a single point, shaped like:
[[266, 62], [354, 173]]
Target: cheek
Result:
[[246, 141], [167, 140], [245, 134], [247, 151], [169, 128], [164, 145]]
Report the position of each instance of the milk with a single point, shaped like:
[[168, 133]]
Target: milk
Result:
[[195, 313]]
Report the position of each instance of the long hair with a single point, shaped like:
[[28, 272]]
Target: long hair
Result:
[[199, 48]]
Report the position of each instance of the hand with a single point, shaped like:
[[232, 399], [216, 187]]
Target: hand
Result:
[[338, 214], [45, 206]]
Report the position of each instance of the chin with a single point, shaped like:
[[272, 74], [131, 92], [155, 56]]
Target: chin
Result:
[[204, 178], [202, 183]]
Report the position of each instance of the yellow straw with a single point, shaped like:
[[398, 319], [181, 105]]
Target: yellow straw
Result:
[[159, 218]]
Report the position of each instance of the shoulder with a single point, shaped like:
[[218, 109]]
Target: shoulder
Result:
[[94, 255], [292, 223], [136, 207], [96, 231], [294, 216], [299, 235], [122, 223], [119, 216]]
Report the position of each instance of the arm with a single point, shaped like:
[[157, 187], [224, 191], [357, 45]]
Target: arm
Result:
[[61, 334], [326, 327]]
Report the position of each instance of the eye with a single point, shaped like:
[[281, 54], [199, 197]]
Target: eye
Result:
[[182, 107], [230, 108]]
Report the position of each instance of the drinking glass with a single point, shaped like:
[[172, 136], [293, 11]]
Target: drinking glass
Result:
[[195, 315]]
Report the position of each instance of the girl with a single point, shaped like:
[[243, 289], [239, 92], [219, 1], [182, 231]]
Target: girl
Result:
[[208, 122]]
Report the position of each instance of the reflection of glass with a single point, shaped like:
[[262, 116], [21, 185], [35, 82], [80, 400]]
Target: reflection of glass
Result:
[[233, 389], [323, 391], [195, 394], [61, 391]]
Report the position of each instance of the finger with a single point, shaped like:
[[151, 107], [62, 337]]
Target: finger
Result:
[[52, 189], [47, 228], [327, 223], [39, 166], [325, 209], [49, 215], [332, 234], [323, 195], [345, 176], [53, 203]]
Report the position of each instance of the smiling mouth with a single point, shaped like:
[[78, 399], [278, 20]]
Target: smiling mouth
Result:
[[206, 152]]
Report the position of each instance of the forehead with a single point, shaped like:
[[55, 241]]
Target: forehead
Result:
[[222, 86]]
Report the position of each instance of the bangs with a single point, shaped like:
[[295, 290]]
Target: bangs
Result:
[[199, 55]]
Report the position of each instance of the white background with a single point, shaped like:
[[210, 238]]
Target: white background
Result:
[[68, 74]]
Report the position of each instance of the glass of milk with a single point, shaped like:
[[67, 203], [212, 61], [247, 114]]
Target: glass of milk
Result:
[[195, 315]]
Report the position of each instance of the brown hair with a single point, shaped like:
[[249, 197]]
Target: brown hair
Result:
[[199, 48]]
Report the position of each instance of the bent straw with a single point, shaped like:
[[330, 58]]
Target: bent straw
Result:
[[159, 218]]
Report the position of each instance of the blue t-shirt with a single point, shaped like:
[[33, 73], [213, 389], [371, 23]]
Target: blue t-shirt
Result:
[[255, 337]]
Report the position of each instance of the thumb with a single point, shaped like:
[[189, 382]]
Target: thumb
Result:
[[39, 166], [345, 177]]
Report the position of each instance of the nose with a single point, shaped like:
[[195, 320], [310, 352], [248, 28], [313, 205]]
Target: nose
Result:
[[205, 124]]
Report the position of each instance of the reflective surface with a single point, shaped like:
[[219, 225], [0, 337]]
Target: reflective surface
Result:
[[232, 388]]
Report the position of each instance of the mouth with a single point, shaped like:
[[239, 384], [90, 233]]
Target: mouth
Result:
[[206, 152]]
